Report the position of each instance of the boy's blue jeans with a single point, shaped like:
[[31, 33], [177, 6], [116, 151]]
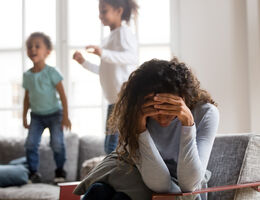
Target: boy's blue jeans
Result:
[[111, 140], [37, 125]]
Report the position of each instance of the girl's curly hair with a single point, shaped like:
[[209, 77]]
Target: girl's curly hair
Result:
[[130, 7], [154, 76]]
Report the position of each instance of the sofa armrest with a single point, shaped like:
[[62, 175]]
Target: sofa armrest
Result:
[[253, 185], [66, 191]]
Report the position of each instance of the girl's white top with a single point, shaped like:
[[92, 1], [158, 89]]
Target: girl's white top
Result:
[[119, 58]]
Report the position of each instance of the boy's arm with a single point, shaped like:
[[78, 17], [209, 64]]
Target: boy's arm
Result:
[[26, 106], [65, 119]]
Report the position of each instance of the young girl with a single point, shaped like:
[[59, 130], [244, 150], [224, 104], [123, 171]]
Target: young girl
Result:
[[118, 54], [41, 83], [167, 126]]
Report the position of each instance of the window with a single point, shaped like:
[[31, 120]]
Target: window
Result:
[[11, 66], [87, 106], [23, 18], [86, 99], [154, 30]]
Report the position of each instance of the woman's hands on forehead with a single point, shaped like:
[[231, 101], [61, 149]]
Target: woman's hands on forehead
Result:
[[174, 105], [164, 104]]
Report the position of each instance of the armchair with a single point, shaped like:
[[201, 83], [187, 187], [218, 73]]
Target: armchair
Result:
[[235, 166]]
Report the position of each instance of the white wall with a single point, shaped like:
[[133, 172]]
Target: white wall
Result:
[[253, 27], [213, 40]]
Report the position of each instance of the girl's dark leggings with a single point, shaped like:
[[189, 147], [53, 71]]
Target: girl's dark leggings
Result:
[[102, 191]]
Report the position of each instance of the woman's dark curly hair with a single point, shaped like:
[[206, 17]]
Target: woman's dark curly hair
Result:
[[154, 76]]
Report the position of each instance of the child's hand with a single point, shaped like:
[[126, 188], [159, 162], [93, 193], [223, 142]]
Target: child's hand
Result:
[[66, 123], [25, 124], [94, 49], [78, 57]]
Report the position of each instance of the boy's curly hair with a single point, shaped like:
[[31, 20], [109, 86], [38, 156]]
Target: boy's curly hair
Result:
[[46, 39]]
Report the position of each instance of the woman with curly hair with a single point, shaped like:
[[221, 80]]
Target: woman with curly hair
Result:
[[167, 126]]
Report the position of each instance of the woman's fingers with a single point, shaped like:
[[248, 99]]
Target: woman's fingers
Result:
[[167, 107], [149, 100], [169, 99], [149, 96], [149, 111], [150, 103], [169, 95], [169, 112], [145, 112]]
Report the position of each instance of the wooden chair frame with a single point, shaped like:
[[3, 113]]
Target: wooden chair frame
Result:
[[66, 190]]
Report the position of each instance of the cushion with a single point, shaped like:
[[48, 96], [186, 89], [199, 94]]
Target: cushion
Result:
[[38, 191], [12, 148], [47, 164], [90, 147], [88, 165], [225, 162], [13, 175], [250, 169], [235, 159]]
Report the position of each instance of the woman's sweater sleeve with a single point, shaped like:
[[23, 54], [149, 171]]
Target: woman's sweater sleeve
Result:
[[194, 151], [195, 148], [128, 55], [152, 168], [91, 67]]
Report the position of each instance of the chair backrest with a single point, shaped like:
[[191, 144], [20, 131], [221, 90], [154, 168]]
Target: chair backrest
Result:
[[89, 147], [47, 164], [226, 161]]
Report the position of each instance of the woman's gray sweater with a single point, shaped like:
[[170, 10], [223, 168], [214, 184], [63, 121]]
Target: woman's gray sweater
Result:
[[178, 152], [173, 159]]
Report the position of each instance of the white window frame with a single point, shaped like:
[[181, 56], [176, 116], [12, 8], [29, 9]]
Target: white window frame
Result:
[[62, 47]]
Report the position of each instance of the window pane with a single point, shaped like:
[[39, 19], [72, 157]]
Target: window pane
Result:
[[51, 61], [153, 21], [148, 53], [84, 85], [11, 124], [40, 16], [11, 24], [10, 79], [84, 23], [87, 121]]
